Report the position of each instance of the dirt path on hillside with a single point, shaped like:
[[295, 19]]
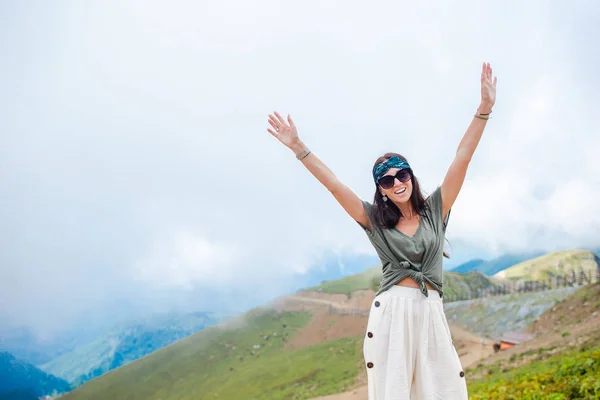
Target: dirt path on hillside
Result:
[[316, 300]]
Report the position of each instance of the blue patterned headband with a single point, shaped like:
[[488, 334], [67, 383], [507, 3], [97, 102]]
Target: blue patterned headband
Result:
[[392, 162]]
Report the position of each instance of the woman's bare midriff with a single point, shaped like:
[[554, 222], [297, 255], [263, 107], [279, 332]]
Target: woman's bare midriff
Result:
[[410, 282]]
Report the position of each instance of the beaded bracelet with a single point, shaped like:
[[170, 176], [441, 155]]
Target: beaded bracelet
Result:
[[303, 153]]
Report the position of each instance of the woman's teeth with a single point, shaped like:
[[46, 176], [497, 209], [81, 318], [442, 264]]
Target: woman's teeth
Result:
[[400, 191]]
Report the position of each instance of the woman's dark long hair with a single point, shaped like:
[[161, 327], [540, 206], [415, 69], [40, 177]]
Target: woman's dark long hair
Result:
[[385, 213]]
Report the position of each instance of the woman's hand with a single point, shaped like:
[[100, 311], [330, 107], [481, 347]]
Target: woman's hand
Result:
[[286, 133], [488, 88]]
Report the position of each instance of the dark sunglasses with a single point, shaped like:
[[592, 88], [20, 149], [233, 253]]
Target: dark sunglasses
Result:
[[387, 181]]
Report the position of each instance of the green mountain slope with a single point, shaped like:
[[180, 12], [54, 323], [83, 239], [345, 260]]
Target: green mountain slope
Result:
[[245, 361], [551, 265]]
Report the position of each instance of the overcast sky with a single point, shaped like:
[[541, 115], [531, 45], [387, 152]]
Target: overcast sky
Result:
[[135, 165]]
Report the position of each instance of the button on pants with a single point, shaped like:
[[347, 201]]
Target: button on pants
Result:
[[408, 350]]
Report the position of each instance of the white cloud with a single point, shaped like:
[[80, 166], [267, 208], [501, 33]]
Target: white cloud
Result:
[[125, 121], [187, 260], [538, 172]]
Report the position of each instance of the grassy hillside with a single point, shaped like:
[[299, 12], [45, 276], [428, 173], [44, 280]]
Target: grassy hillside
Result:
[[227, 365], [562, 362], [551, 265], [248, 357]]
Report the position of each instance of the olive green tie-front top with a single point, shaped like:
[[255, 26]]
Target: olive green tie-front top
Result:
[[420, 256]]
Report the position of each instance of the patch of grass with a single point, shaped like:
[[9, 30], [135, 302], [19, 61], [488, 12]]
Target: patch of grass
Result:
[[541, 353], [585, 297], [575, 375]]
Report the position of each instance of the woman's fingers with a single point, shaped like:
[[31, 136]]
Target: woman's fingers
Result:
[[281, 129], [278, 122], [486, 73], [280, 118], [273, 133], [274, 125]]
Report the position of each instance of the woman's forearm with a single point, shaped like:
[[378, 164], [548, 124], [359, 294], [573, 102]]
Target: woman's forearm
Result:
[[472, 136], [316, 167]]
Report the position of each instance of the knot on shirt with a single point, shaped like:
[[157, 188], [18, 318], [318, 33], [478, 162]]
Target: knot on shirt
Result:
[[418, 276], [420, 279]]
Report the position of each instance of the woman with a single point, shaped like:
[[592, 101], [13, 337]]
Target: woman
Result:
[[408, 350]]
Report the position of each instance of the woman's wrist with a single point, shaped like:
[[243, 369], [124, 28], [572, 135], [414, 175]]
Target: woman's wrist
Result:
[[484, 108], [297, 146]]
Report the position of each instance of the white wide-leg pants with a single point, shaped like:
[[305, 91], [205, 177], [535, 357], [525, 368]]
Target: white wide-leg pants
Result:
[[408, 349]]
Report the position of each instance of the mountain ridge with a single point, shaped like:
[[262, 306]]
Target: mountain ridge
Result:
[[19, 378], [122, 345]]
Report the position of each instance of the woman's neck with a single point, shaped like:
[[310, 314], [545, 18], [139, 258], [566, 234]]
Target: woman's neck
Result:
[[407, 210]]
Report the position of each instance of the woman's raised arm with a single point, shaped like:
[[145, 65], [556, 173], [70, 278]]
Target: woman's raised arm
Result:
[[287, 134], [455, 176]]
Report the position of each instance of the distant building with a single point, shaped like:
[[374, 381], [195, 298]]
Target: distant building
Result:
[[511, 339]]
